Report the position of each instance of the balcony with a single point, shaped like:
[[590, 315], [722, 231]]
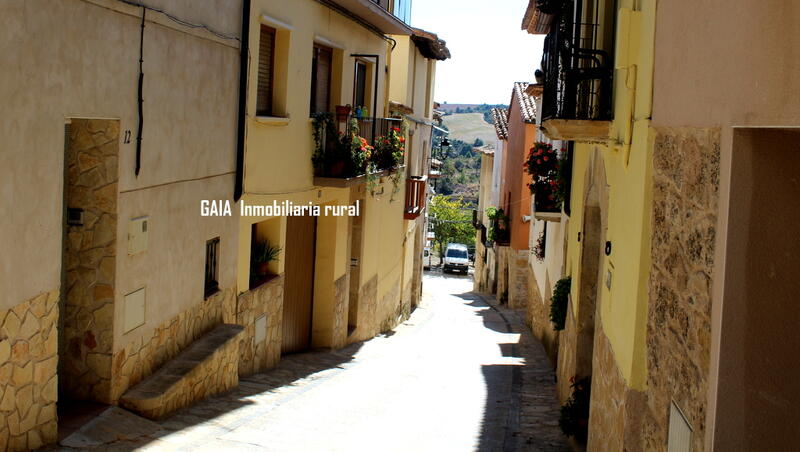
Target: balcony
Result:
[[578, 78], [415, 197], [387, 16], [345, 151]]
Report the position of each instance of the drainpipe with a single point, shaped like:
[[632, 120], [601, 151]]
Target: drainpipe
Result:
[[244, 51]]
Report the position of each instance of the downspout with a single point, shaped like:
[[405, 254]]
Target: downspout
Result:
[[244, 52]]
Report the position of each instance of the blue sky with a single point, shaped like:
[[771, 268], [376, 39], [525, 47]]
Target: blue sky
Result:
[[490, 50]]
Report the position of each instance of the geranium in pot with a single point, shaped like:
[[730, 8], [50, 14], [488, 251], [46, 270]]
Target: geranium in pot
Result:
[[543, 166]]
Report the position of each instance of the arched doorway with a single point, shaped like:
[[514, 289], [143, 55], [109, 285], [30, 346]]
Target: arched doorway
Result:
[[576, 342]]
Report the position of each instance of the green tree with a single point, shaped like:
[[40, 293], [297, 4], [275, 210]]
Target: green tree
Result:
[[478, 142], [451, 222]]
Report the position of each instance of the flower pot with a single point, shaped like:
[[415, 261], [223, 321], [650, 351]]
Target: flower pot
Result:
[[263, 268], [342, 112]]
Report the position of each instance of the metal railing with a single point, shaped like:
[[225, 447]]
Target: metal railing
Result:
[[337, 160], [578, 75]]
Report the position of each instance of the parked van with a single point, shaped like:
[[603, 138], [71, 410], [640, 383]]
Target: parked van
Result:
[[426, 258], [456, 258]]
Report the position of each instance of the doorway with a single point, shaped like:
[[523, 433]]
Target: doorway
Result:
[[88, 261], [757, 391], [298, 296]]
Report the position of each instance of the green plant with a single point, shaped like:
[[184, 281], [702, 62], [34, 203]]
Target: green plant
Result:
[[574, 419], [450, 221], [543, 166], [339, 154], [263, 253], [559, 302], [498, 229], [539, 249]]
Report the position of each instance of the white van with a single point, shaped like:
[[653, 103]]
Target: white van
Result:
[[456, 258], [426, 258]]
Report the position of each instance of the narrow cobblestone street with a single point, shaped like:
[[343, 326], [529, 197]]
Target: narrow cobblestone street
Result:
[[461, 374]]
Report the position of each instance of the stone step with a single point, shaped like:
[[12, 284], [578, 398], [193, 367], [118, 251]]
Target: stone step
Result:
[[207, 367]]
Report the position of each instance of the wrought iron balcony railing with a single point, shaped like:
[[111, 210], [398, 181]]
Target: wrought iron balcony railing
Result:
[[577, 74], [336, 158]]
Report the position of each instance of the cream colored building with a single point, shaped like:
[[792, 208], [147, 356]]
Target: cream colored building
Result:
[[103, 236], [123, 183]]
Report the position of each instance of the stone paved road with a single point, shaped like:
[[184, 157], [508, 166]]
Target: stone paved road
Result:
[[459, 375]]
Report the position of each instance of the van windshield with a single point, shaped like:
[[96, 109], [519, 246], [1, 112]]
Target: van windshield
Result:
[[453, 252]]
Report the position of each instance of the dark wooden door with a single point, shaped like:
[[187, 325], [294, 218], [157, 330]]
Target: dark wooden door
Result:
[[299, 284]]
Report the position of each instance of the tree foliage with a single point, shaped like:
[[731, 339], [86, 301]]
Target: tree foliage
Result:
[[451, 222]]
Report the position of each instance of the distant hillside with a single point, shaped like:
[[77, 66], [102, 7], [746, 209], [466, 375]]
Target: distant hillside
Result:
[[469, 126]]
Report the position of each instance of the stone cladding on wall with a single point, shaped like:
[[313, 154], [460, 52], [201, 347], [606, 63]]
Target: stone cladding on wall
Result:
[[90, 258], [143, 356], [684, 218], [518, 275], [28, 380], [539, 319], [265, 300], [503, 274], [567, 360]]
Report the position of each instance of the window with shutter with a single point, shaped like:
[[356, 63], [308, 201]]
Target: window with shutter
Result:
[[321, 68], [266, 63]]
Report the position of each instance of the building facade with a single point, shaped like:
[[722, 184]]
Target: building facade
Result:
[[146, 138], [663, 301]]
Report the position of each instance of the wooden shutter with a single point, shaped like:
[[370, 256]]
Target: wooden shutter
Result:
[[321, 79], [266, 69]]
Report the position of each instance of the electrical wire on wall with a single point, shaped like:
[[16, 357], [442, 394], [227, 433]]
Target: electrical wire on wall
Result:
[[140, 86], [140, 100], [180, 21]]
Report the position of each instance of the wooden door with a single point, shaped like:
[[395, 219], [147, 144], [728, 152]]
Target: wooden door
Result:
[[299, 284]]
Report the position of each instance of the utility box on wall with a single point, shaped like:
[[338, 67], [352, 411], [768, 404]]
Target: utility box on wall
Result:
[[133, 314], [137, 235]]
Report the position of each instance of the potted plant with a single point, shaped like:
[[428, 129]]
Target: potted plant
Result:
[[262, 253], [559, 303], [539, 249], [342, 112], [543, 165], [574, 419], [338, 154], [498, 230]]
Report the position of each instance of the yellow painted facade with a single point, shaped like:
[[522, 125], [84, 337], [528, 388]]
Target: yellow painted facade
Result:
[[278, 161], [627, 159]]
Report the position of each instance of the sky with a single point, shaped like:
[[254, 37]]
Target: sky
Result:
[[490, 51]]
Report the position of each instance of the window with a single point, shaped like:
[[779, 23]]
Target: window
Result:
[[212, 267], [456, 253], [266, 71], [321, 67], [360, 92]]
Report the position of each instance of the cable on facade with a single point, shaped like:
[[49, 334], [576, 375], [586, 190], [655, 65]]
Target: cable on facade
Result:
[[180, 21], [139, 99]]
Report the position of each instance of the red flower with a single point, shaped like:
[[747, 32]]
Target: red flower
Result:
[[402, 140], [539, 161], [546, 158]]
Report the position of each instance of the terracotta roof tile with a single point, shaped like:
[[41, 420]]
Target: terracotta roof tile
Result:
[[527, 104], [500, 117]]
